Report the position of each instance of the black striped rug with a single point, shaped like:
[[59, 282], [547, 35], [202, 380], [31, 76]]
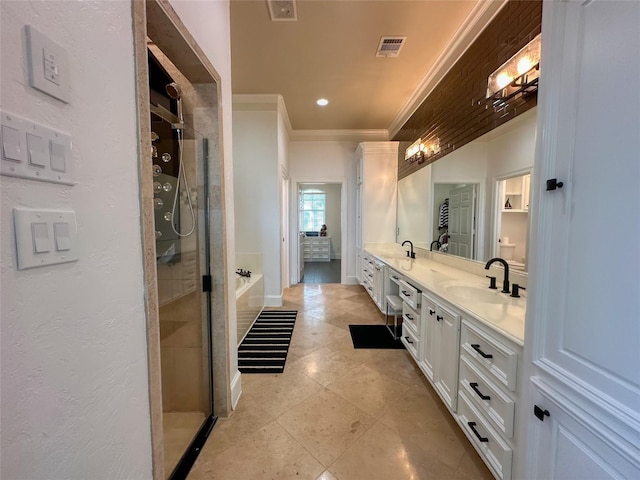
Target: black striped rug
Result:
[[265, 347]]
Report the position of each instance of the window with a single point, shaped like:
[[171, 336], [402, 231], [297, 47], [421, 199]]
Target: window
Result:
[[312, 210]]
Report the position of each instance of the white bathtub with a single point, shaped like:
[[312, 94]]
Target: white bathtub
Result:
[[249, 302]]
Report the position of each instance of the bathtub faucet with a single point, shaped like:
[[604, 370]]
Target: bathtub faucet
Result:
[[243, 273]]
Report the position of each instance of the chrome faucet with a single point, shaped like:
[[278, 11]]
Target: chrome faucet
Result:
[[409, 253], [505, 283], [438, 245]]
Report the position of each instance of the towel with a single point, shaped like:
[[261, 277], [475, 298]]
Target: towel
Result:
[[443, 217]]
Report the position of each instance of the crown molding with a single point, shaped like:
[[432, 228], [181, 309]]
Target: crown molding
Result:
[[480, 16], [339, 135]]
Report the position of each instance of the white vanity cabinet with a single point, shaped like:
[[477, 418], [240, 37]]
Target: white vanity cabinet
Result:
[[374, 279], [488, 395], [440, 348]]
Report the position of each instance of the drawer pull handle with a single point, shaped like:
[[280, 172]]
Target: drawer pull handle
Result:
[[438, 318], [378, 268], [472, 426], [431, 312], [478, 392], [395, 277], [476, 347], [408, 341], [370, 289], [409, 317], [405, 293]]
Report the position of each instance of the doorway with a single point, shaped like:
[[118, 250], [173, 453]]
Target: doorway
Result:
[[320, 232]]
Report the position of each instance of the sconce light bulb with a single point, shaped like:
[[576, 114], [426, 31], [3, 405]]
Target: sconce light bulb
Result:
[[503, 80], [524, 65]]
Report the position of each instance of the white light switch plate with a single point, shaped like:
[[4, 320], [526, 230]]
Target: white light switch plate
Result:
[[48, 65], [45, 237], [30, 150]]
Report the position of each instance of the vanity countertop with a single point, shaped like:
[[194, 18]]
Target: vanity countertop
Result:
[[466, 291]]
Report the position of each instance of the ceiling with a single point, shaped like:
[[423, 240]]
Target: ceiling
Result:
[[330, 52]]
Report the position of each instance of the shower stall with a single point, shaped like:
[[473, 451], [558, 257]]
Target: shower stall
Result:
[[179, 156]]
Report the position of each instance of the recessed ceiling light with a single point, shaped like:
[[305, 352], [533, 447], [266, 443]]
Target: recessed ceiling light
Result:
[[323, 102]]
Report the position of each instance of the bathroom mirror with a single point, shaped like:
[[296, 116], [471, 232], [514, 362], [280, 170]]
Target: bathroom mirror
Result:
[[479, 167]]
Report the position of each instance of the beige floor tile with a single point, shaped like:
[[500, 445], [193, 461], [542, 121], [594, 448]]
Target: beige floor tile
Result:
[[326, 475], [326, 425], [244, 421], [377, 417], [178, 428], [277, 394], [269, 453], [380, 453], [324, 365], [370, 390]]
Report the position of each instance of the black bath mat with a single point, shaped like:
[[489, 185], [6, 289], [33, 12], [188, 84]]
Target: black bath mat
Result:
[[373, 336], [265, 347]]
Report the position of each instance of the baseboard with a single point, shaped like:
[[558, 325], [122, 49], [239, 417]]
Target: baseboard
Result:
[[273, 300], [351, 280], [236, 389]]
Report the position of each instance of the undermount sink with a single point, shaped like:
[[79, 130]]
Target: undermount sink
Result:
[[476, 293]]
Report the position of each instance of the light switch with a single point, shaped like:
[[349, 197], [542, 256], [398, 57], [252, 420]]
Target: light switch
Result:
[[12, 147], [62, 236], [40, 237], [58, 157], [38, 155], [45, 237], [35, 151]]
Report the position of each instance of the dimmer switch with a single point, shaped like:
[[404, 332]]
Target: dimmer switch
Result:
[[48, 65]]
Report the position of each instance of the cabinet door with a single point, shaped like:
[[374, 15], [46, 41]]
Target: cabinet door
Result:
[[586, 297], [572, 445], [446, 377], [584, 302], [430, 337]]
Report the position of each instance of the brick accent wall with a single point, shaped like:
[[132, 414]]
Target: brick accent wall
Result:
[[456, 112]]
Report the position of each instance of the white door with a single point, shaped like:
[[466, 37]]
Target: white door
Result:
[[582, 326], [461, 220]]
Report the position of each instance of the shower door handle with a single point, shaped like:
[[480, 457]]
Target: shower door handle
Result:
[[206, 283]]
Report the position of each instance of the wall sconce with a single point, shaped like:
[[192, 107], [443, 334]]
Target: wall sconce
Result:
[[419, 151], [518, 75]]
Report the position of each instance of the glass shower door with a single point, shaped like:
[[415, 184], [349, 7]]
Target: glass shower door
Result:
[[182, 257]]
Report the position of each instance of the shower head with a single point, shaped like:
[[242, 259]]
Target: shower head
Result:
[[174, 92]]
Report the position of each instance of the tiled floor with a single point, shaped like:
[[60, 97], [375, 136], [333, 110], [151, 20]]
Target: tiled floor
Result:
[[322, 272], [337, 412]]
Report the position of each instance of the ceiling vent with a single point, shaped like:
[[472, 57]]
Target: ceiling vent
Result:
[[390, 46], [282, 10]]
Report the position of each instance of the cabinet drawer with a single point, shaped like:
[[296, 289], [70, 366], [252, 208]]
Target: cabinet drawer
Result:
[[490, 354], [496, 452], [410, 316], [320, 248], [487, 397], [394, 277], [321, 256], [411, 341], [410, 294]]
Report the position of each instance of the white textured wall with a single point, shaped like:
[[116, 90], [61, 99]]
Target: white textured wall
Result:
[[73, 348], [257, 194], [331, 162]]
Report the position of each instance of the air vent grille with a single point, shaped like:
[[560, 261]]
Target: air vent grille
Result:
[[282, 10], [390, 46]]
